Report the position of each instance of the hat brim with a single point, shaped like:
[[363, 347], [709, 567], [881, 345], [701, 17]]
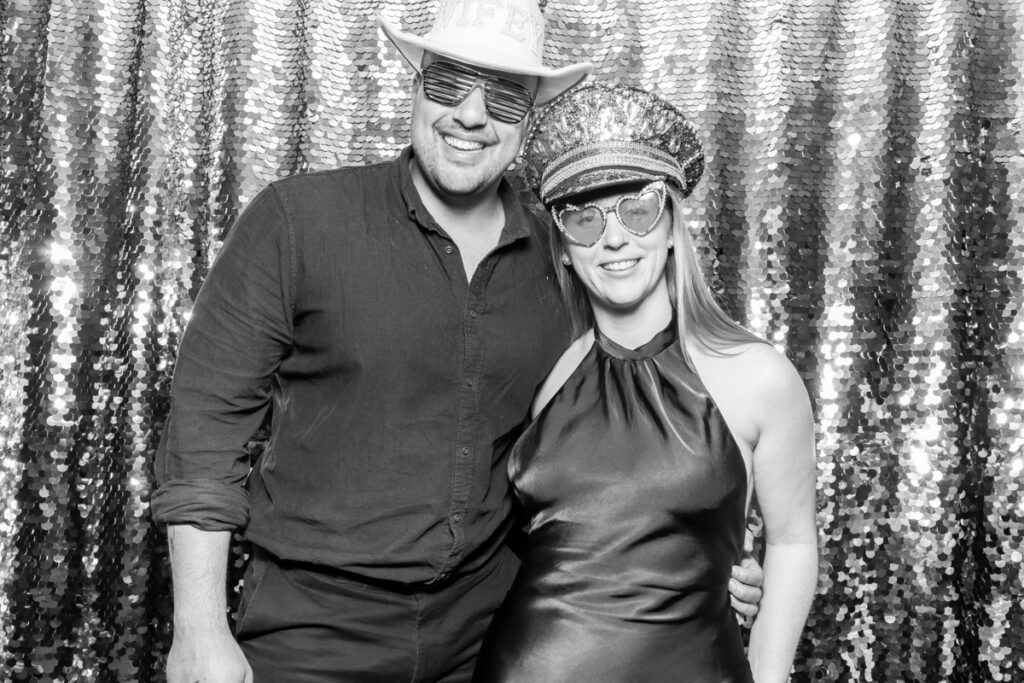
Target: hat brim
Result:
[[600, 179], [552, 82], [609, 163]]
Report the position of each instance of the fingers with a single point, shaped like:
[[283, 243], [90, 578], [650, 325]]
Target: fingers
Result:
[[745, 589], [745, 585], [745, 594], [744, 611], [748, 572]]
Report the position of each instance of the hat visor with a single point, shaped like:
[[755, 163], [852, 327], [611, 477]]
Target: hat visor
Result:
[[552, 82], [599, 179]]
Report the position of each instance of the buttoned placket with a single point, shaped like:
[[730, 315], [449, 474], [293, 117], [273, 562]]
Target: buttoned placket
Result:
[[470, 371]]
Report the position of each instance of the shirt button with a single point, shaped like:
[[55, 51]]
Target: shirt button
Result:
[[448, 249], [457, 517], [469, 382], [472, 314], [465, 450]]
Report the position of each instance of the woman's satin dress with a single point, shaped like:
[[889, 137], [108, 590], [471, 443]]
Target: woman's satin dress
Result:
[[635, 492]]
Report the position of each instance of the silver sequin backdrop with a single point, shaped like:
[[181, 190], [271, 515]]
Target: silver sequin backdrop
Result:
[[863, 207]]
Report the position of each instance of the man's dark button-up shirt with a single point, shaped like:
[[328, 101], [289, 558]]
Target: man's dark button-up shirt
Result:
[[396, 384]]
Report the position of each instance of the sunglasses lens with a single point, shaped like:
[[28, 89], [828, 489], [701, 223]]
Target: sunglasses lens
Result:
[[640, 212], [448, 84], [583, 225], [508, 101]]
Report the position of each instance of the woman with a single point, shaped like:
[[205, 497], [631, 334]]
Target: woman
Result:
[[650, 432]]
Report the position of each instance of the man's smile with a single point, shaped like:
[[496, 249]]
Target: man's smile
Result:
[[461, 144]]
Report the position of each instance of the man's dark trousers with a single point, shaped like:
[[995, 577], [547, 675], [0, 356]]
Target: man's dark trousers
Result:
[[301, 623]]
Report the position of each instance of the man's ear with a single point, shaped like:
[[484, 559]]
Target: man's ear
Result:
[[414, 89]]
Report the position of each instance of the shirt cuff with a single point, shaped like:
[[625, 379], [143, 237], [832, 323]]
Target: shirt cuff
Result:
[[206, 505]]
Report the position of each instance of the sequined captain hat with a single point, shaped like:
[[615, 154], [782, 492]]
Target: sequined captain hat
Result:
[[601, 135], [503, 35]]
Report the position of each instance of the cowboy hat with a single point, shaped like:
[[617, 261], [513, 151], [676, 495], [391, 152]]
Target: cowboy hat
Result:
[[502, 35]]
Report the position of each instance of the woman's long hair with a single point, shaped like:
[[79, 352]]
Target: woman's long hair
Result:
[[697, 313]]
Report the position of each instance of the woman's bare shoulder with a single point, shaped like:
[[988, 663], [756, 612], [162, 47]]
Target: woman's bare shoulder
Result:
[[773, 374], [563, 369], [754, 382], [760, 363], [778, 394]]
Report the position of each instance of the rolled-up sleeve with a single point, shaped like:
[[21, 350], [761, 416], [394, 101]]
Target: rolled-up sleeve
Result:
[[240, 329]]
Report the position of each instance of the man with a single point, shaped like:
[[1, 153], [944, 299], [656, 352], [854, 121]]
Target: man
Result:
[[399, 316]]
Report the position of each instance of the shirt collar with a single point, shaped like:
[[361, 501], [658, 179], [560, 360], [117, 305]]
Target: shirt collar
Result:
[[516, 223]]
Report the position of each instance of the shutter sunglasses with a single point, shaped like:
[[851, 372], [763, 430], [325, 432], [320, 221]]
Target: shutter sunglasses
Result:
[[449, 84]]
